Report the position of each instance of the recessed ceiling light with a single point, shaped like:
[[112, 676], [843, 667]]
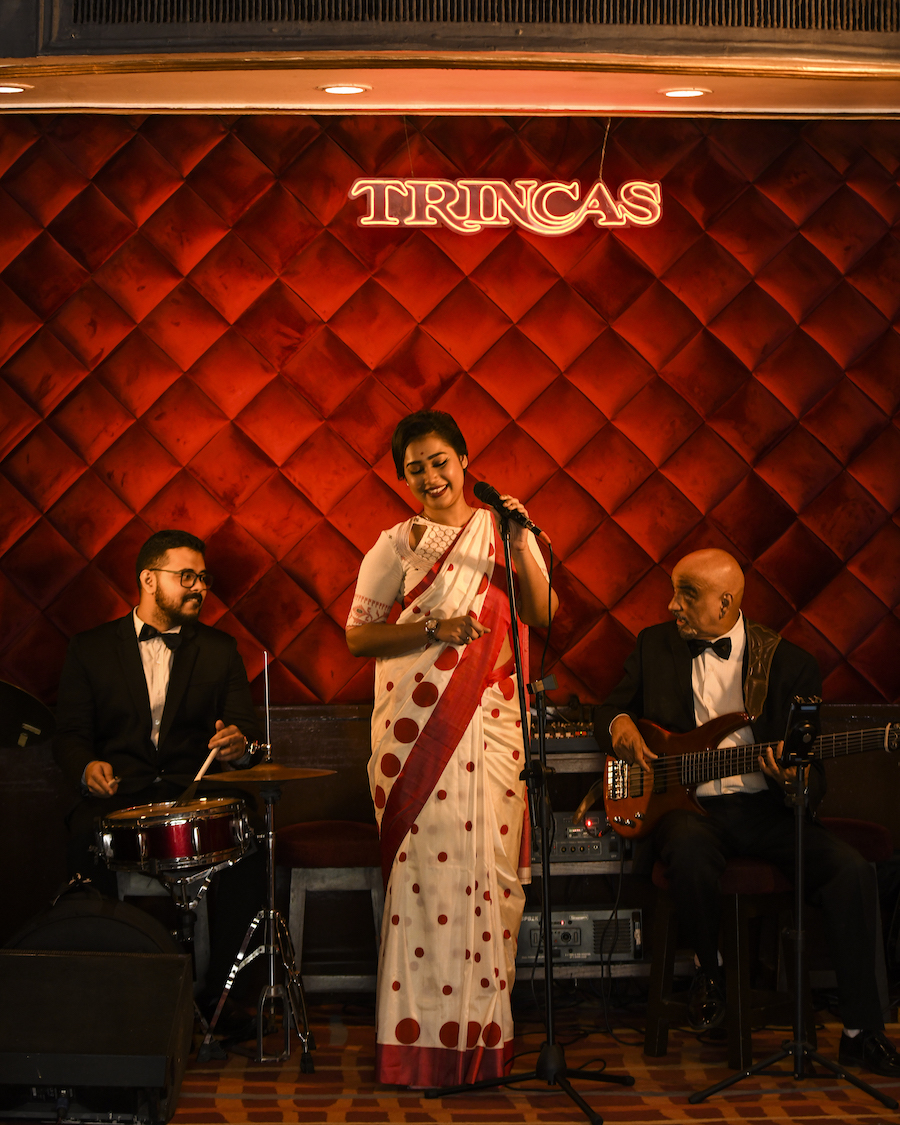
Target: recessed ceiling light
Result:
[[686, 92], [345, 88], [10, 89]]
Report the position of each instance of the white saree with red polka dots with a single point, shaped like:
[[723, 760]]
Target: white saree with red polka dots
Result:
[[444, 775]]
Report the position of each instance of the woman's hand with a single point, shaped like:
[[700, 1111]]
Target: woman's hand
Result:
[[518, 535], [460, 630], [537, 604]]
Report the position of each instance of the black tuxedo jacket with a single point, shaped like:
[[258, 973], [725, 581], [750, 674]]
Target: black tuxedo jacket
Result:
[[103, 710], [657, 686]]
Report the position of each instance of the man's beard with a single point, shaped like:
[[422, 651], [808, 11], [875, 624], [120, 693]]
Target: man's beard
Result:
[[180, 611]]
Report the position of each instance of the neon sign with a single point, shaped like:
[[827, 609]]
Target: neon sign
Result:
[[469, 206]]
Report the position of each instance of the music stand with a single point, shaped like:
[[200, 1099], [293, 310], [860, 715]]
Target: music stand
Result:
[[551, 1064], [802, 732]]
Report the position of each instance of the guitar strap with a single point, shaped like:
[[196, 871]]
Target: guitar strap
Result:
[[761, 645]]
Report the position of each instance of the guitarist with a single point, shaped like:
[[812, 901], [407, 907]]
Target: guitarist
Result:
[[712, 661]]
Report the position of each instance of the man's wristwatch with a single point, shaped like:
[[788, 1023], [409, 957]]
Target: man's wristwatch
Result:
[[431, 628]]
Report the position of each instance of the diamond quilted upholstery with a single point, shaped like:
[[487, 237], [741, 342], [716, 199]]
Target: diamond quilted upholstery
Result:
[[194, 331]]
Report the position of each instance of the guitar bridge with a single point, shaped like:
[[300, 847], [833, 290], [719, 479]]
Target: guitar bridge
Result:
[[623, 780], [618, 779]]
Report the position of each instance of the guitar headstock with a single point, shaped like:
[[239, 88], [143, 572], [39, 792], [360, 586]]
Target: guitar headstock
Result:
[[892, 737]]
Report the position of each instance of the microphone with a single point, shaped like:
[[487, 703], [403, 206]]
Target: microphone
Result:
[[488, 495]]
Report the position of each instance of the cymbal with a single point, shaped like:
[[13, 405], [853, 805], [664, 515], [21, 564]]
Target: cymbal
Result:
[[264, 774], [24, 720]]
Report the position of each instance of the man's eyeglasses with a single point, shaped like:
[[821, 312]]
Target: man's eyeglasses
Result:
[[189, 577]]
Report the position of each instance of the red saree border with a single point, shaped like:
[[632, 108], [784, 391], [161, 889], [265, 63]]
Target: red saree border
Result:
[[447, 723], [398, 1065]]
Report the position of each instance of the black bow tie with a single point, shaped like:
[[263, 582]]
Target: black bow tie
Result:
[[170, 640], [721, 647]]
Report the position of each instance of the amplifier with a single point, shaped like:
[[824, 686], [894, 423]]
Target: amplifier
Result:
[[573, 843], [586, 936], [98, 1037]]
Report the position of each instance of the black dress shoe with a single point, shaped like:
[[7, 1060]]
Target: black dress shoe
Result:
[[873, 1051], [706, 1002]]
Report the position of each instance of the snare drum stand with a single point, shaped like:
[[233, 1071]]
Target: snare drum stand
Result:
[[186, 889], [278, 950]]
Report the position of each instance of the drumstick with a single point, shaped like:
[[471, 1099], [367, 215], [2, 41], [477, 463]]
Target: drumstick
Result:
[[188, 794]]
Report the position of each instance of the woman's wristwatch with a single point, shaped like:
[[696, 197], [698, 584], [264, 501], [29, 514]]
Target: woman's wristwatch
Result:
[[431, 628]]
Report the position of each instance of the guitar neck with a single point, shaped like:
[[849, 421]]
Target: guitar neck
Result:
[[728, 761]]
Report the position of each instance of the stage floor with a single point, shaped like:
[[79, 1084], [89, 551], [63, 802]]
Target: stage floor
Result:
[[343, 1089]]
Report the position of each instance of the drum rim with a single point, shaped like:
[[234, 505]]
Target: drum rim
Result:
[[211, 805]]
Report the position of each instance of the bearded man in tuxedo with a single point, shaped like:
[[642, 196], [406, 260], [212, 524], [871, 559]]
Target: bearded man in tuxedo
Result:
[[142, 701]]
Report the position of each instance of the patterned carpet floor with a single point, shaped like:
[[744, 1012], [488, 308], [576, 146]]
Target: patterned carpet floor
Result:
[[343, 1089]]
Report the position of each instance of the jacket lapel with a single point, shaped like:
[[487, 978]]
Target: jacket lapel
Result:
[[133, 670], [182, 667], [681, 656]]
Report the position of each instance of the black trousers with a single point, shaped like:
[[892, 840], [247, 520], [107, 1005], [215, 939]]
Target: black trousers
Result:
[[236, 894], [838, 880]]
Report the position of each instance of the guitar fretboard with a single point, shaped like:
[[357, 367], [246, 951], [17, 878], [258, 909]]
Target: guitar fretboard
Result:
[[727, 761]]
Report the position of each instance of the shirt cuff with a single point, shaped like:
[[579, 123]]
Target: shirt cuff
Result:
[[621, 714]]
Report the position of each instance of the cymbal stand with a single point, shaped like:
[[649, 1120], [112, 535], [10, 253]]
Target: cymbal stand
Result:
[[283, 987], [551, 1064]]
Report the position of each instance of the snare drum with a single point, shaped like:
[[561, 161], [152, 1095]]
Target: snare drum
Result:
[[161, 837]]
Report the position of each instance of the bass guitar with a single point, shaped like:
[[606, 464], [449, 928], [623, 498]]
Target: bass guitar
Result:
[[635, 801]]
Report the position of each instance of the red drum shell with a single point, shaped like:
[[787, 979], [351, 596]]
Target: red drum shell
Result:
[[159, 837]]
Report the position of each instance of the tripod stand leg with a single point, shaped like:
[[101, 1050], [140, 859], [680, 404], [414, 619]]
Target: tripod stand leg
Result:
[[565, 1086], [601, 1076], [481, 1084], [272, 994], [296, 995], [209, 1048], [837, 1069], [702, 1095]]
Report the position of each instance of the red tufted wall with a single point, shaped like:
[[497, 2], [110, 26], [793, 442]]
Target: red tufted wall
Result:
[[194, 332]]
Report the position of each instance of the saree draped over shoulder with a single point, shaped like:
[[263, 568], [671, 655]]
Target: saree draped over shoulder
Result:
[[444, 774]]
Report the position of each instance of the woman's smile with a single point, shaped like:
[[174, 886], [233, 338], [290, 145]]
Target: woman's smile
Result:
[[436, 474]]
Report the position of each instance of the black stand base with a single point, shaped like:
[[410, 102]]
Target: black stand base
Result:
[[800, 1053], [551, 1068]]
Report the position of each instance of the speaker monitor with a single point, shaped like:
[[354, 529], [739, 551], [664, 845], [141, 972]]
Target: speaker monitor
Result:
[[93, 1036]]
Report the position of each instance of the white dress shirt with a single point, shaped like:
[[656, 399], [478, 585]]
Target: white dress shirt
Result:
[[156, 657], [718, 688]]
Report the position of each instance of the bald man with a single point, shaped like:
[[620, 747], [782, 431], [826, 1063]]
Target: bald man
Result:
[[678, 680]]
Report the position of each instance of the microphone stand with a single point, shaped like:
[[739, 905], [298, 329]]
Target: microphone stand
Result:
[[551, 1065], [802, 731]]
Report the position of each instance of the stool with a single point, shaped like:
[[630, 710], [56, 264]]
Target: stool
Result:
[[330, 855], [749, 887]]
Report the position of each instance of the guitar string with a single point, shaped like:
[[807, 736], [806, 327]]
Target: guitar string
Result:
[[687, 769]]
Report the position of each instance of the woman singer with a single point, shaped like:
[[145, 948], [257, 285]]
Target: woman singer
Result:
[[447, 752]]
